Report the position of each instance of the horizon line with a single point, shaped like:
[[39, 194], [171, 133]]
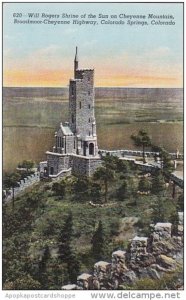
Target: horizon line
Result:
[[118, 87]]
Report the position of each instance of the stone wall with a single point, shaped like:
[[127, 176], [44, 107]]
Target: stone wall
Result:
[[125, 152], [57, 163], [22, 185], [82, 165], [146, 257]]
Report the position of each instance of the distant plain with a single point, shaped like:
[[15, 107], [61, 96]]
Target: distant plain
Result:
[[31, 116]]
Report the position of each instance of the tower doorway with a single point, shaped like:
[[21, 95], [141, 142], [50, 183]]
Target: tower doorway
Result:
[[91, 149]]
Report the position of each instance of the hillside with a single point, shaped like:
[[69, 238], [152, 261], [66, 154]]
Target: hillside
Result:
[[52, 216]]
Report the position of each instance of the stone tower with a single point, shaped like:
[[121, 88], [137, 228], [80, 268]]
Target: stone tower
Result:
[[76, 151], [81, 110]]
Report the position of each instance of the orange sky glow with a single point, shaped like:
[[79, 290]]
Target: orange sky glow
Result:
[[57, 78]]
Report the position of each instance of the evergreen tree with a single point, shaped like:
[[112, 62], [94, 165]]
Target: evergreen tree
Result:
[[158, 183], [59, 189], [104, 175], [98, 242], [11, 181], [42, 268], [174, 219], [81, 189], [159, 209], [144, 185], [123, 191], [165, 158], [95, 192], [142, 140], [123, 167], [127, 190], [27, 164], [66, 254], [180, 202]]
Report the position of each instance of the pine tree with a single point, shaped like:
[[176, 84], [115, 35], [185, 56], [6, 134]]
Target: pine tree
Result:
[[159, 209], [180, 202], [158, 184], [66, 253], [43, 267], [105, 176], [98, 242], [142, 140]]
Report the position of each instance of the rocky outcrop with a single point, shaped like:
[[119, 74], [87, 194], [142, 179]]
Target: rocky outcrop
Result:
[[146, 257], [162, 231]]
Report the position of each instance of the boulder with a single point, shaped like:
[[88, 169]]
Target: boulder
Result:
[[166, 262], [69, 287], [84, 281], [148, 272], [162, 231]]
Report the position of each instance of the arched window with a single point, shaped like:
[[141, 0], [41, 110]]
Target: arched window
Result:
[[80, 104], [91, 149]]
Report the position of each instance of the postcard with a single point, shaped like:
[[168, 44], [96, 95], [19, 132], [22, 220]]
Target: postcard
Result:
[[93, 149]]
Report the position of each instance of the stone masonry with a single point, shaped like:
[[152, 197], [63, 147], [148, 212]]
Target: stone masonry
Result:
[[76, 149], [138, 261]]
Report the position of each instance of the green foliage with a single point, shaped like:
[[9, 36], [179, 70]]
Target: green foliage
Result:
[[95, 192], [142, 140], [80, 189], [144, 185], [123, 191], [105, 176], [59, 189], [24, 282], [43, 240], [11, 181], [26, 164], [42, 267], [166, 282], [66, 253], [98, 243], [162, 209], [165, 158], [158, 183], [174, 219], [158, 209], [180, 202]]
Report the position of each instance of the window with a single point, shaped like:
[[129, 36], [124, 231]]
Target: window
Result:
[[51, 170], [72, 118], [74, 144], [89, 93], [88, 79], [89, 120], [89, 133], [72, 90], [89, 106], [80, 104]]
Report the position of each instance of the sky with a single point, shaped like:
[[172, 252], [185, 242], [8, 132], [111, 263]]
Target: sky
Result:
[[122, 55]]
